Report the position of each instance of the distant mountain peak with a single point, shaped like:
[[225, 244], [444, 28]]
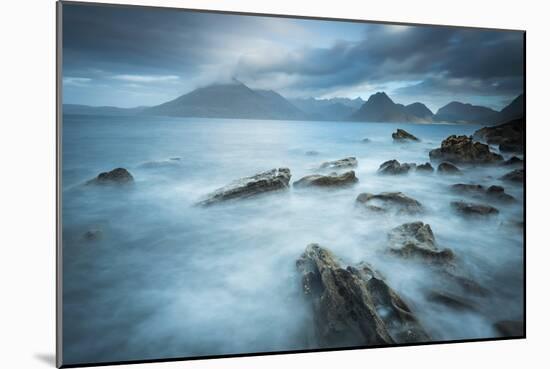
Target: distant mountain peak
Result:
[[380, 108]]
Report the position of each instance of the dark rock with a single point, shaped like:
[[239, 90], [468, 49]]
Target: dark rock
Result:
[[350, 162], [416, 241], [93, 235], [509, 136], [427, 167], [497, 193], [510, 328], [332, 180], [448, 168], [366, 140], [514, 160], [517, 175], [463, 150], [347, 301], [389, 200], [394, 167], [473, 209], [115, 176], [451, 300], [464, 188], [511, 146], [402, 135], [272, 180]]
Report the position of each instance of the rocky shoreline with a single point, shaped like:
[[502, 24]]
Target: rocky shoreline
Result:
[[346, 300]]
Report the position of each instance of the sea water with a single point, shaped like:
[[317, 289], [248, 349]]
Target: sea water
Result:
[[162, 278]]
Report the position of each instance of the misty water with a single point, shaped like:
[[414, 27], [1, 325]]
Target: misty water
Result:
[[168, 279]]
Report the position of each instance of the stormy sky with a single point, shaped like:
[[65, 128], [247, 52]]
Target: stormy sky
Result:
[[123, 56]]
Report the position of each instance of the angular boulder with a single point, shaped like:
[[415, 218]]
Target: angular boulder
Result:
[[387, 201], [393, 167], [463, 150], [332, 180], [272, 180], [416, 241], [509, 136], [473, 209], [353, 306], [403, 136], [466, 188], [116, 176], [349, 162]]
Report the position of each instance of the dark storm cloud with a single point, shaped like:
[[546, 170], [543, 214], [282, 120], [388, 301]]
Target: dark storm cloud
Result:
[[389, 53], [143, 56]]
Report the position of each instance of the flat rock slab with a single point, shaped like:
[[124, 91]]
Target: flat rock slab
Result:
[[473, 209], [350, 162], [272, 180], [329, 181], [387, 201]]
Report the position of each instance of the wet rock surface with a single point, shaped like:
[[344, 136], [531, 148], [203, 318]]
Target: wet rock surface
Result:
[[403, 136], [425, 168], [493, 193], [272, 180], [349, 162], [517, 176], [463, 150], [510, 328], [393, 167], [387, 201], [331, 180], [448, 168], [346, 303], [509, 136], [473, 209], [116, 176], [514, 160], [416, 240]]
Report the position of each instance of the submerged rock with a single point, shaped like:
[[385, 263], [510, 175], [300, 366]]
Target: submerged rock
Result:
[[93, 234], [495, 193], [510, 328], [426, 167], [451, 300], [312, 153], [272, 180], [517, 175], [402, 135], [331, 180], [172, 162], [349, 162], [465, 188], [463, 150], [366, 140], [115, 176], [386, 201], [353, 306], [448, 168], [394, 167], [416, 240], [514, 160], [473, 209]]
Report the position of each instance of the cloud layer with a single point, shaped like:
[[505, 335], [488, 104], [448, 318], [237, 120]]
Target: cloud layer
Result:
[[134, 56]]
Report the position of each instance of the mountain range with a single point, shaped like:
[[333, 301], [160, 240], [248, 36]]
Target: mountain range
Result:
[[238, 101]]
